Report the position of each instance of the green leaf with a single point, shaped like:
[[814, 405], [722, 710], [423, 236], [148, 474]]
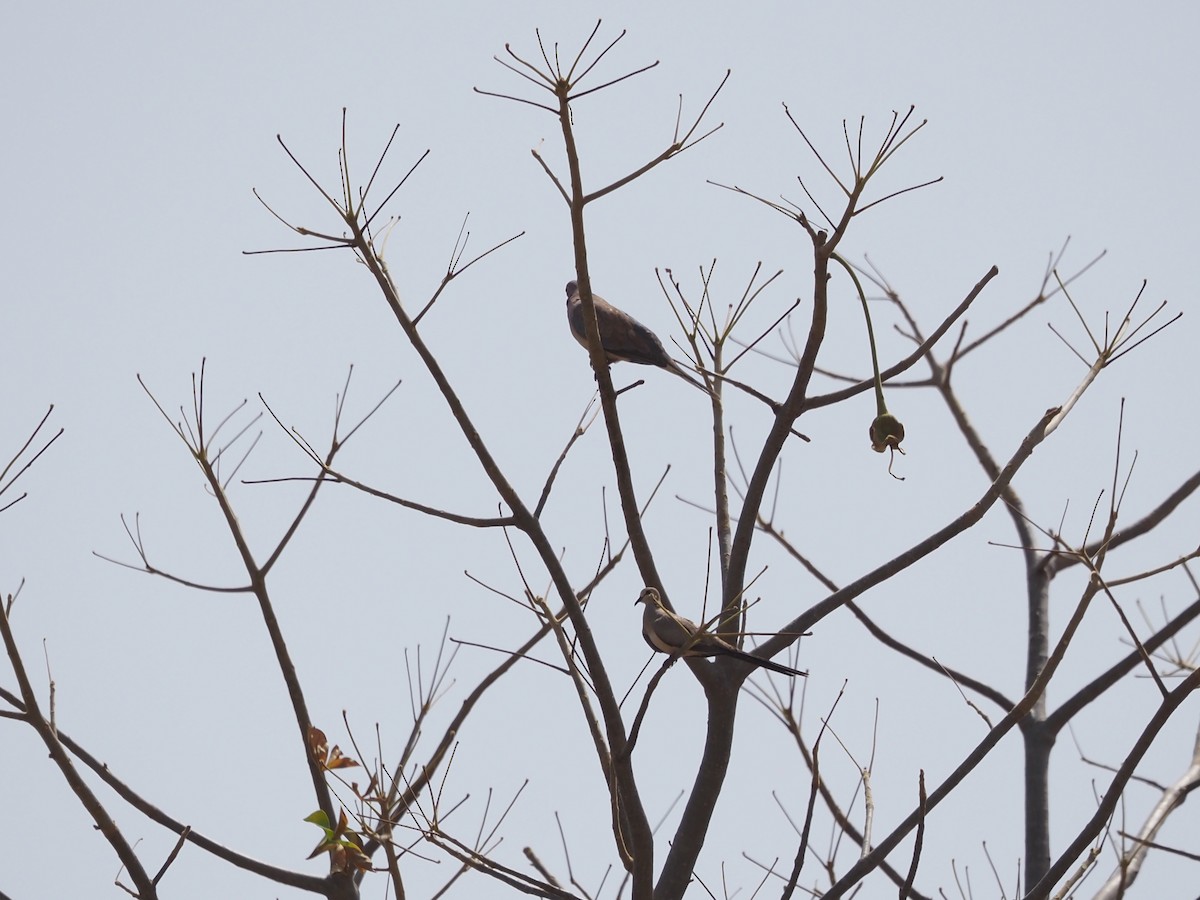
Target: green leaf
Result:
[[319, 818]]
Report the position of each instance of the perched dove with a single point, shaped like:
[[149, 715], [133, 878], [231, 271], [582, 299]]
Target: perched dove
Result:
[[667, 632], [623, 337]]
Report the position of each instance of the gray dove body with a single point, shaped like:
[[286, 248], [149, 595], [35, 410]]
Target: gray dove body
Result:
[[623, 337], [667, 632]]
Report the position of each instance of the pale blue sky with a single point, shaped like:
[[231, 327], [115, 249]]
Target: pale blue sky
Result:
[[133, 137]]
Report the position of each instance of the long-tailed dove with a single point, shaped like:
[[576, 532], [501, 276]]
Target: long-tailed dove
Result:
[[623, 337], [667, 632]]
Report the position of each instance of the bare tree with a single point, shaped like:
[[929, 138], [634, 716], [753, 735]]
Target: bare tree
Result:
[[375, 822]]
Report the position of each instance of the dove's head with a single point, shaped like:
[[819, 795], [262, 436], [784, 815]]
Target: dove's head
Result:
[[572, 288], [648, 596]]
